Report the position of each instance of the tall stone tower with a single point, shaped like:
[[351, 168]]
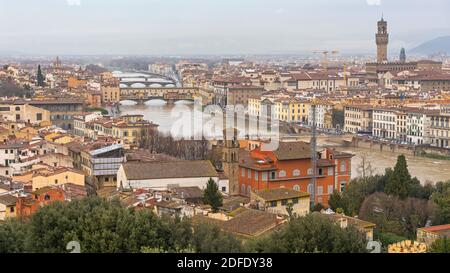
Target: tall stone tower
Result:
[[230, 161], [382, 39]]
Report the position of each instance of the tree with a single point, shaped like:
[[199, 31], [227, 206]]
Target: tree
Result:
[[99, 226], [311, 233], [209, 238], [40, 77], [394, 215], [351, 199], [12, 236], [441, 245], [399, 181], [318, 207], [336, 201], [365, 168], [212, 195], [441, 198]]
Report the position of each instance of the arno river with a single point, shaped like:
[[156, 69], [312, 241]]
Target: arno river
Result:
[[423, 168]]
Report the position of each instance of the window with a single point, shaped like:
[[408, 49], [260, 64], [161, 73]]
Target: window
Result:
[[330, 171], [343, 167], [249, 190], [224, 189], [296, 172], [256, 175], [343, 184], [243, 189], [11, 209], [56, 181], [310, 171], [319, 190], [284, 202], [39, 116], [282, 173], [310, 188], [272, 175], [295, 201], [249, 173], [47, 197], [264, 176], [330, 189], [273, 204], [243, 172], [296, 188]]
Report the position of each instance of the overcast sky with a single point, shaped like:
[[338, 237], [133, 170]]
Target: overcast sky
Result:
[[215, 26]]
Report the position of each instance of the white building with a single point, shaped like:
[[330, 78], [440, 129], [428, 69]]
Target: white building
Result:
[[418, 127], [323, 112], [385, 123], [161, 175]]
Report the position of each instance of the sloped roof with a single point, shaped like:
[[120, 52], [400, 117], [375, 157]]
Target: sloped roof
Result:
[[293, 150], [280, 194], [8, 200], [169, 169]]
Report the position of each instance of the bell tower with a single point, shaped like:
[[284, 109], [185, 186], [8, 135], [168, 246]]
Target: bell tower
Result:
[[230, 161], [382, 40]]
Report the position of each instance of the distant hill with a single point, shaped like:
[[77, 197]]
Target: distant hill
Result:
[[438, 45]]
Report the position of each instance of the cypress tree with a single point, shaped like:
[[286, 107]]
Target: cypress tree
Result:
[[212, 195], [40, 77], [399, 181]]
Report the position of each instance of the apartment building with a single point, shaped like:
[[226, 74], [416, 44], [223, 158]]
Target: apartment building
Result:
[[385, 123], [418, 126], [328, 81], [24, 112], [101, 162], [440, 128], [292, 110], [240, 94], [128, 128], [324, 116], [358, 119]]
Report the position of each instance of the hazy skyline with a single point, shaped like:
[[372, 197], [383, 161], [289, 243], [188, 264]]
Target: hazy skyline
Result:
[[215, 27]]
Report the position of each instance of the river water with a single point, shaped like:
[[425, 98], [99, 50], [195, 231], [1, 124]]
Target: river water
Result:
[[170, 120]]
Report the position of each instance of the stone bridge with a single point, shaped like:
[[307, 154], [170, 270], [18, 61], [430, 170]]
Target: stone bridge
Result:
[[170, 94], [145, 79]]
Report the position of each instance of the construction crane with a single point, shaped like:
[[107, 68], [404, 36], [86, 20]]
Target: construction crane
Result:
[[325, 53]]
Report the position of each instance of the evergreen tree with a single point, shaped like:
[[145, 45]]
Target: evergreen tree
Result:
[[40, 77], [212, 195], [399, 182], [313, 233]]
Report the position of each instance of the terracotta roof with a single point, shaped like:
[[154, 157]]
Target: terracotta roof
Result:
[[247, 223], [8, 200], [280, 194], [169, 169], [293, 150], [188, 192], [445, 229]]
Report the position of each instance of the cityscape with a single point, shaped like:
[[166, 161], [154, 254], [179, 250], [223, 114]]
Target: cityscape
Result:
[[171, 142]]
